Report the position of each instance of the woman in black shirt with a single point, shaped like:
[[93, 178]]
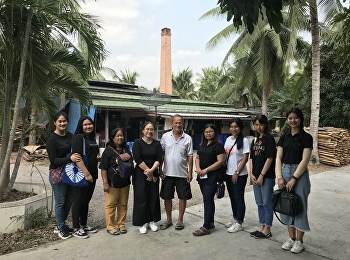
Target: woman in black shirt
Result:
[[209, 161]]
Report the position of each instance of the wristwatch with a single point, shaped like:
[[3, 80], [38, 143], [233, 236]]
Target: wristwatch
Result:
[[295, 178], [237, 172]]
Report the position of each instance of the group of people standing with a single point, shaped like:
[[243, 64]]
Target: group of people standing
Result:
[[171, 160]]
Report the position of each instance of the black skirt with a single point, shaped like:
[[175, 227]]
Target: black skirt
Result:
[[146, 199]]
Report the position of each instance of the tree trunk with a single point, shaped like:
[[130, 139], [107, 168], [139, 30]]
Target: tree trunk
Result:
[[315, 99], [32, 134], [6, 163], [265, 95]]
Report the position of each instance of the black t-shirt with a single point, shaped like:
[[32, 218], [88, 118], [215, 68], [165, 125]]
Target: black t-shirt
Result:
[[58, 147], [293, 146], [108, 160], [91, 151], [208, 156], [147, 153], [260, 150]]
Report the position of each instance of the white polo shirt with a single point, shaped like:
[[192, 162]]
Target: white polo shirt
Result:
[[176, 153]]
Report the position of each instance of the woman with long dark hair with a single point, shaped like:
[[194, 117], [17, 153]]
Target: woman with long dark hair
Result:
[[237, 152], [58, 145], [116, 189], [209, 160], [293, 154], [148, 157], [262, 174], [84, 134]]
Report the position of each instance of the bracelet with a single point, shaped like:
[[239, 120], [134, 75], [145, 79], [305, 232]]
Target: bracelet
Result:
[[295, 178], [262, 174]]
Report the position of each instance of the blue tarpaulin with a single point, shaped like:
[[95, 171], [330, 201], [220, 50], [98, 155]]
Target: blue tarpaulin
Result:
[[74, 115]]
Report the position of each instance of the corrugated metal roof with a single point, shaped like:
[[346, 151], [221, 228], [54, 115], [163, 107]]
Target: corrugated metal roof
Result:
[[203, 115]]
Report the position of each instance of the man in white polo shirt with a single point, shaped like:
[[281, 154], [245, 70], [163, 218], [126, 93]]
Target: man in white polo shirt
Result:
[[177, 171]]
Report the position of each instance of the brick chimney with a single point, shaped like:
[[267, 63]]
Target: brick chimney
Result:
[[165, 63]]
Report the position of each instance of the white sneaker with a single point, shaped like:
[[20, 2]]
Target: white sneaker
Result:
[[298, 247], [56, 230], [229, 224], [288, 244], [80, 233], [143, 229], [153, 226], [235, 228]]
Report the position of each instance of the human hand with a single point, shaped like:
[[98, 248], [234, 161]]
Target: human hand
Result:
[[98, 157], [106, 187], [234, 178], [189, 177], [89, 178], [281, 183], [260, 180], [161, 175], [290, 185], [75, 157], [252, 177]]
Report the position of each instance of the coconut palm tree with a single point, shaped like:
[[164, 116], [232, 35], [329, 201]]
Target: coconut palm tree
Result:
[[33, 34], [182, 84]]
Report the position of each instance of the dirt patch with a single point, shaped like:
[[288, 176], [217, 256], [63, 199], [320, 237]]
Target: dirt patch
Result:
[[16, 195]]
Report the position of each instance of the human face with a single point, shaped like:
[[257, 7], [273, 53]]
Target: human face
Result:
[[118, 139], [234, 129], [88, 127], [259, 128], [177, 124], [148, 131], [61, 124], [209, 133], [293, 121]]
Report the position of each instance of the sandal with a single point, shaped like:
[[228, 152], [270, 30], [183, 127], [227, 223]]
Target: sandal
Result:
[[113, 232], [202, 231], [179, 226], [165, 225], [212, 226], [123, 230]]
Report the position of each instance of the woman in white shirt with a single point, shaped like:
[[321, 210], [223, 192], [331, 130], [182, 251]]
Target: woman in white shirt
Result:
[[237, 151]]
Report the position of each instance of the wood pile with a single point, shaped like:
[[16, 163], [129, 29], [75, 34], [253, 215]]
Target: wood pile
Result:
[[333, 145]]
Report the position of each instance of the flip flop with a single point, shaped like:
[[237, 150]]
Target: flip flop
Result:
[[123, 230], [179, 226], [201, 232], [113, 232], [165, 225]]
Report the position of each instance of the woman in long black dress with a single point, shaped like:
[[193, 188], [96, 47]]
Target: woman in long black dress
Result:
[[147, 155]]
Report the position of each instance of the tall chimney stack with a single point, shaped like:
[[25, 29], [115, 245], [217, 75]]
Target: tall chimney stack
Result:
[[165, 63]]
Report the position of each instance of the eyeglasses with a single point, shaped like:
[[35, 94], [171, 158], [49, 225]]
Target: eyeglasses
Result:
[[208, 132]]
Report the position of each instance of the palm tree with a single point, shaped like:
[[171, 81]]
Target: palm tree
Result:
[[33, 34], [182, 84], [125, 76], [208, 83]]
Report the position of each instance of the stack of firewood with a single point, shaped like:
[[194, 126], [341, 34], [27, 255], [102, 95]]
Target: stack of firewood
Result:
[[333, 146]]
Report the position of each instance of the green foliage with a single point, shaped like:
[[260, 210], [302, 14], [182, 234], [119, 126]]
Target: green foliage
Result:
[[183, 86], [250, 11]]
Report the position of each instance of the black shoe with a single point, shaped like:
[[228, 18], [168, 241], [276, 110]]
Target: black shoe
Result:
[[70, 230], [64, 233], [89, 229], [252, 234], [262, 235]]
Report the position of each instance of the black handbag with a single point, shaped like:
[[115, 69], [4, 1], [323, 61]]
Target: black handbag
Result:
[[286, 203], [220, 190]]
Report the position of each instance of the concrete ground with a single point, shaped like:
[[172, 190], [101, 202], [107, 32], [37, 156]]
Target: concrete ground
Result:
[[329, 238]]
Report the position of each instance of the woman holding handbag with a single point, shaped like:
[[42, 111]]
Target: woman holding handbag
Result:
[[209, 161], [293, 155], [58, 145], [262, 174], [116, 188], [84, 135], [148, 156], [237, 149]]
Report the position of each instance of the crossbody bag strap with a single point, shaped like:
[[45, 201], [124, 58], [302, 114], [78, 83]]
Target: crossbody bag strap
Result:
[[229, 152], [116, 150]]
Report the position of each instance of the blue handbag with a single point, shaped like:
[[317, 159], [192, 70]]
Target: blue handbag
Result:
[[72, 174]]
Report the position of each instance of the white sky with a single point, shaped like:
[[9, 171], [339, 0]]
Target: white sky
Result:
[[132, 31]]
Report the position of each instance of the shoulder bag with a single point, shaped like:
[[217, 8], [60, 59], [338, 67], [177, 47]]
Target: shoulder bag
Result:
[[72, 174], [56, 175], [125, 166]]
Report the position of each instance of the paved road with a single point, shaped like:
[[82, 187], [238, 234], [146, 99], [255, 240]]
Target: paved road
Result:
[[329, 238]]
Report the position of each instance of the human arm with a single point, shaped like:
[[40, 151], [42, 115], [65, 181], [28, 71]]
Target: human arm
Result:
[[105, 180], [264, 170], [190, 168], [280, 179], [300, 169], [251, 169], [240, 167]]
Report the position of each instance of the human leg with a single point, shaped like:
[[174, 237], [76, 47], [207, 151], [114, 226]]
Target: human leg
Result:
[[167, 194], [259, 202], [208, 192], [266, 192], [79, 195], [85, 210], [239, 189], [111, 199], [122, 206]]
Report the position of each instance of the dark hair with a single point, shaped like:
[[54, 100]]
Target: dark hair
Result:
[[239, 140], [176, 115], [112, 135], [299, 114], [262, 119], [204, 141], [148, 123], [79, 129], [60, 113]]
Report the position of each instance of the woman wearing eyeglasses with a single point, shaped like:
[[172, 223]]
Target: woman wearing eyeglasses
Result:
[[209, 160]]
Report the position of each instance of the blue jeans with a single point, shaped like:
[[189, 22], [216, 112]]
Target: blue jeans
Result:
[[208, 192], [263, 198], [63, 194], [236, 193]]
